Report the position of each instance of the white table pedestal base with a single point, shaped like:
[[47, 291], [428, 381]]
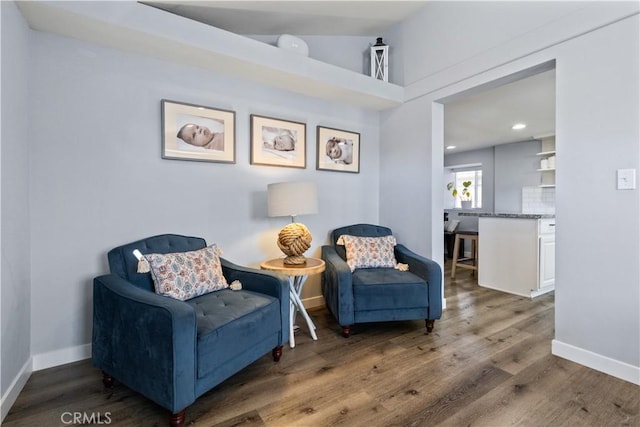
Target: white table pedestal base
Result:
[[295, 290]]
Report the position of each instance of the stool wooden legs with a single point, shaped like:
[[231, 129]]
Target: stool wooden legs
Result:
[[456, 248], [457, 262]]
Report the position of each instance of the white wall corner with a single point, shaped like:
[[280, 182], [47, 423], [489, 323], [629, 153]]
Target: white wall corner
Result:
[[61, 357], [596, 361], [9, 398]]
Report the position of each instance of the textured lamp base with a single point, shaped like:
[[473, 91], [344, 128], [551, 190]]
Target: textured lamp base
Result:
[[294, 240]]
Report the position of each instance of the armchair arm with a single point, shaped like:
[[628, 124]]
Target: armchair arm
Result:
[[428, 270], [144, 340], [337, 287], [264, 282]]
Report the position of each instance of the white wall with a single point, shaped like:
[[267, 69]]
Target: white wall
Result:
[[98, 180], [15, 278], [596, 52]]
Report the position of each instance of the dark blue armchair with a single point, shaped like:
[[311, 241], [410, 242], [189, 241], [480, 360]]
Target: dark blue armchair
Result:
[[174, 351], [380, 294]]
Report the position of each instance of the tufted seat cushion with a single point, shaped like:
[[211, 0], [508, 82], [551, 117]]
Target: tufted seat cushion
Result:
[[386, 288], [235, 319]]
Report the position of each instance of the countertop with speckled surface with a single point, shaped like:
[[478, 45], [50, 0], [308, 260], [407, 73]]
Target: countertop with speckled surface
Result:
[[506, 215]]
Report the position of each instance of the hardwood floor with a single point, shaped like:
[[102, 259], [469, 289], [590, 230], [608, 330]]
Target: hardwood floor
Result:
[[488, 363]]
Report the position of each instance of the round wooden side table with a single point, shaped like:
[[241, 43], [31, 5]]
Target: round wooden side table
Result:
[[298, 275]]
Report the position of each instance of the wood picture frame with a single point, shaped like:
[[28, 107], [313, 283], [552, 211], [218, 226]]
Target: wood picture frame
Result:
[[278, 142], [338, 150], [198, 133]]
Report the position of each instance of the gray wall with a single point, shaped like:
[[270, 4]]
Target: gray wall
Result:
[[516, 166], [442, 36], [404, 167], [15, 279], [596, 52], [484, 156], [97, 179], [506, 168], [597, 270]]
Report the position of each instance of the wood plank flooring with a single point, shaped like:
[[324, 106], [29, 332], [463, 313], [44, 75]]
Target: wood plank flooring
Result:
[[488, 363]]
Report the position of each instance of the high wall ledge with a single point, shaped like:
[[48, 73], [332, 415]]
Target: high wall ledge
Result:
[[134, 27]]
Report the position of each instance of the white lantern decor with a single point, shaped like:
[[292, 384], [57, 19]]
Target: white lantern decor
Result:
[[380, 60]]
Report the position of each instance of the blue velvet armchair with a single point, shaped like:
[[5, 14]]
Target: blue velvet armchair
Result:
[[380, 294], [173, 351]]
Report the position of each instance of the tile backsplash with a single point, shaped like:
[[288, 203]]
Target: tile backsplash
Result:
[[539, 200]]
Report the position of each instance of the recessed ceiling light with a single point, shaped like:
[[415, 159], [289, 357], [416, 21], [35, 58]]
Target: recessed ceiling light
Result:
[[518, 126], [450, 147]]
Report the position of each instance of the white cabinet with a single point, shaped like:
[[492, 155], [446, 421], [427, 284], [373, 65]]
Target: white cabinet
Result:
[[517, 254], [547, 253], [547, 271]]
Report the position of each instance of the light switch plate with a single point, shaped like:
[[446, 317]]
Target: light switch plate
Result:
[[626, 179]]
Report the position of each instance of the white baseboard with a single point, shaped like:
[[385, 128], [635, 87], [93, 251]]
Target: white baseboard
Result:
[[9, 398], [596, 361], [313, 302], [61, 357]]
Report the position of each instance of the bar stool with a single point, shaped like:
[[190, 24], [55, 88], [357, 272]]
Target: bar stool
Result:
[[461, 262]]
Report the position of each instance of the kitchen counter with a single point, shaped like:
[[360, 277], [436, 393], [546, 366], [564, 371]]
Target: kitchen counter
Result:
[[506, 215], [518, 256]]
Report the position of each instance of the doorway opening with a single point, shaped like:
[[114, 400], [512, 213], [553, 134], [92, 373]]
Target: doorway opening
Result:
[[499, 156]]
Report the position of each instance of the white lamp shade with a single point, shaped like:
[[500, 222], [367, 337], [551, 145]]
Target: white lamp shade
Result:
[[292, 199]]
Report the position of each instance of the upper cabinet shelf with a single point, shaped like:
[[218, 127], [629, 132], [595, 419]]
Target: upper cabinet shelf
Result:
[[548, 162], [135, 27]]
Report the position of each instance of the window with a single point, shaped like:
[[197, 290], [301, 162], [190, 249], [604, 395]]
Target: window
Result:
[[458, 176]]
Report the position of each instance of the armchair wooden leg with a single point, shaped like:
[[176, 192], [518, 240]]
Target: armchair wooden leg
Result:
[[430, 324], [277, 353], [346, 331], [177, 420], [107, 380]]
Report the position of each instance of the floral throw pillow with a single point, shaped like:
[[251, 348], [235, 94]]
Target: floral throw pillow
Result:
[[185, 275], [369, 252]]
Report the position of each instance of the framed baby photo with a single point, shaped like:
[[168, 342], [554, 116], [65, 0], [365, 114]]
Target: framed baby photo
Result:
[[277, 142], [196, 132], [338, 150]]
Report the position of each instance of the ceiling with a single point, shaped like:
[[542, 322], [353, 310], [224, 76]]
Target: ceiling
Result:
[[485, 118], [480, 120], [329, 17]]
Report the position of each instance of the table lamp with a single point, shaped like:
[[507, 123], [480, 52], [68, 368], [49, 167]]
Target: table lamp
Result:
[[293, 199]]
